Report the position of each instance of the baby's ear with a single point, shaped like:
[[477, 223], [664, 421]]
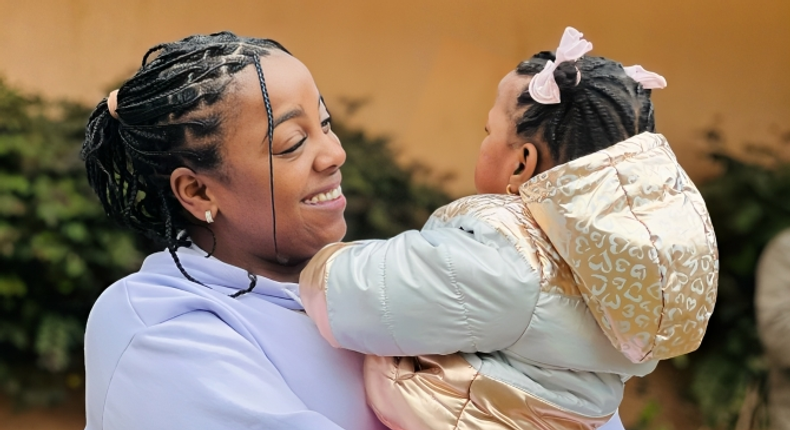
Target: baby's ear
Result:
[[527, 162]]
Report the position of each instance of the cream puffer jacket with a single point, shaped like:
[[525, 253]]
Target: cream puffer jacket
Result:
[[529, 311]]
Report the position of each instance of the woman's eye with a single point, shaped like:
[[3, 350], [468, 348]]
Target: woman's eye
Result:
[[326, 124], [293, 148]]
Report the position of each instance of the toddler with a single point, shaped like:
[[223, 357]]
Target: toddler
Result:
[[587, 256]]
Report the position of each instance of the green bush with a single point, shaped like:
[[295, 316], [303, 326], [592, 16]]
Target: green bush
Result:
[[58, 250], [749, 203]]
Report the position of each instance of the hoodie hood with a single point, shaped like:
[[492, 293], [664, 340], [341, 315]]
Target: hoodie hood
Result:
[[638, 239], [219, 276]]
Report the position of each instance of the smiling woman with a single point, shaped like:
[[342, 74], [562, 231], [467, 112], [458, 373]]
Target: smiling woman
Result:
[[305, 161], [221, 147]]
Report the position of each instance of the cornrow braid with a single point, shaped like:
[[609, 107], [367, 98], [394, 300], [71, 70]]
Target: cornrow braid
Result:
[[604, 108], [167, 118], [253, 282], [270, 133], [172, 247]]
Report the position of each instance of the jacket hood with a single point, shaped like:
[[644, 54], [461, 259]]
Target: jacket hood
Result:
[[637, 236]]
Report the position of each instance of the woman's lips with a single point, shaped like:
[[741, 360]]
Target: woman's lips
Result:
[[328, 196]]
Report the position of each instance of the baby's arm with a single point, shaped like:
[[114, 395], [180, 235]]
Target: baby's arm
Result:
[[437, 291]]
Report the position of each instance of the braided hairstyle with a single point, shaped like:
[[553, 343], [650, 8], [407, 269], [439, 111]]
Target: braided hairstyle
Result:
[[168, 117], [604, 108]]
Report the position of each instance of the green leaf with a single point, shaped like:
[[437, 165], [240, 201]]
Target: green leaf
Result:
[[13, 333], [75, 231], [747, 217], [55, 335], [14, 184], [11, 205], [11, 285]]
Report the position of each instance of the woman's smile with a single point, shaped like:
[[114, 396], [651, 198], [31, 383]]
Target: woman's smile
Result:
[[325, 198]]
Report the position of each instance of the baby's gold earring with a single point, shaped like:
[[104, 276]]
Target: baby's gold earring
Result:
[[510, 193]]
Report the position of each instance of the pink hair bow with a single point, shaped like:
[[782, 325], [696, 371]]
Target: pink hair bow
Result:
[[649, 80], [543, 87]]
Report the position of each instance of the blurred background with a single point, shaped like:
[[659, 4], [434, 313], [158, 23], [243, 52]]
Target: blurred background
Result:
[[411, 83]]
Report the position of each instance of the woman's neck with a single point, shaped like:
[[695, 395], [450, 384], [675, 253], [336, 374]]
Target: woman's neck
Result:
[[268, 267]]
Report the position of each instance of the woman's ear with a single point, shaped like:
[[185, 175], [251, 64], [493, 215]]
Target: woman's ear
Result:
[[192, 193], [527, 163]]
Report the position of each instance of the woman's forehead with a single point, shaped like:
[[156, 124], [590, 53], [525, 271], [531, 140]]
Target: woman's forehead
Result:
[[280, 63], [288, 84], [288, 80]]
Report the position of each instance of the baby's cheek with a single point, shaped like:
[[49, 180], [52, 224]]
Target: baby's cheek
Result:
[[485, 179]]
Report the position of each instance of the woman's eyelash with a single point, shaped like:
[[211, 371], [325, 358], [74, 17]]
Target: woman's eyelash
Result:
[[293, 148], [325, 123]]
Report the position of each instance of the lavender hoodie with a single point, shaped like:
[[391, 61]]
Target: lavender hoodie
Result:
[[162, 352]]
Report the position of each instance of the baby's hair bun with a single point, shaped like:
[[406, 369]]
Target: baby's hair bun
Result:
[[567, 76]]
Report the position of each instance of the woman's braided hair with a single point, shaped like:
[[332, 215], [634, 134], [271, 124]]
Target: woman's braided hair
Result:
[[604, 108], [167, 118]]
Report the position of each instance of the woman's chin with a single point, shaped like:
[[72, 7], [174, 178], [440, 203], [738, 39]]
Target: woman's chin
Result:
[[329, 233], [338, 232]]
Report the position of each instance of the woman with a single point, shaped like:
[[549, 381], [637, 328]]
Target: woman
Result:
[[182, 153], [222, 148]]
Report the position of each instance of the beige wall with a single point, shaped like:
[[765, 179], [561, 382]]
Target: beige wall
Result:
[[430, 68]]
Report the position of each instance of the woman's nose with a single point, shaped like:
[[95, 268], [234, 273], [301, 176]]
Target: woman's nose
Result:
[[331, 154]]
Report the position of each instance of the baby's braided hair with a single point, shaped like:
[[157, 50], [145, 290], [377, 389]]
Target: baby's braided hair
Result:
[[167, 118], [606, 107]]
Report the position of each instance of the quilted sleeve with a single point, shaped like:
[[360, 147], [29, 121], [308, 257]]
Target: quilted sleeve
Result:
[[436, 291]]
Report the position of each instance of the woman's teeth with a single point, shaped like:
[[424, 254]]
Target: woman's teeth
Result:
[[325, 197]]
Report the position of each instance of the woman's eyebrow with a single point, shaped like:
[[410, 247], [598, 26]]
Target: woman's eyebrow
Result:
[[291, 114]]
